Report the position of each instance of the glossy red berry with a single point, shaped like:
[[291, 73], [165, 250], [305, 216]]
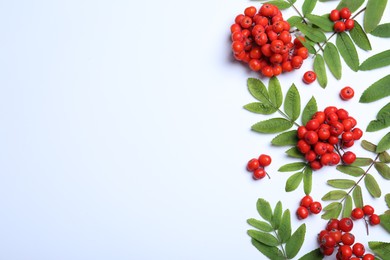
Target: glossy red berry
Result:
[[328, 241], [348, 239], [368, 257], [345, 13], [357, 213], [339, 26], [347, 93], [349, 24], [349, 157], [302, 212], [309, 77], [252, 165], [326, 250], [374, 219], [332, 224], [315, 207], [345, 252], [334, 15], [345, 224], [368, 210], [250, 11], [264, 160], [358, 249], [266, 10], [306, 201], [357, 133], [259, 173]]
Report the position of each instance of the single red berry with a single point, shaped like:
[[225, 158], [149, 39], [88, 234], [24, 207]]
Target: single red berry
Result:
[[330, 109], [358, 249], [349, 157], [342, 114], [336, 234], [302, 212], [303, 147], [345, 13], [368, 210], [266, 10], [345, 224], [320, 116], [312, 124], [326, 250], [345, 252], [348, 239], [259, 173], [332, 224], [310, 156], [326, 159], [311, 137], [339, 26], [320, 148], [303, 52], [347, 93], [334, 15], [368, 257], [301, 131], [252, 165], [357, 133], [277, 69], [332, 117], [328, 241], [335, 158], [264, 160], [336, 128], [254, 64], [315, 207], [347, 136], [357, 213], [323, 134], [267, 71], [309, 77], [296, 62], [286, 66], [375, 219], [322, 234], [246, 22], [237, 46], [315, 165], [306, 201], [250, 11], [349, 24]]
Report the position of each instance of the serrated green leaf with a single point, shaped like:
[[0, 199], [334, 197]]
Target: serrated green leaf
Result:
[[384, 143], [353, 5], [264, 209], [373, 14], [347, 50], [280, 4], [295, 242], [384, 157], [258, 90], [341, 183], [293, 181], [347, 209], [381, 249], [277, 216], [385, 222], [382, 30], [350, 170], [308, 6], [383, 169], [334, 195], [334, 212], [379, 60], [316, 253], [319, 69], [368, 146], [286, 138], [322, 22], [307, 180], [376, 91], [261, 225], [372, 186], [272, 252], [284, 230], [294, 153], [293, 20], [382, 119], [272, 126], [290, 167], [260, 108], [263, 237], [332, 59], [359, 37], [362, 162], [357, 197], [292, 103], [275, 92], [311, 33], [309, 110]]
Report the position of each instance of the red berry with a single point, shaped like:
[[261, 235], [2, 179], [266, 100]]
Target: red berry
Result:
[[368, 257], [252, 165], [266, 10], [334, 15], [336, 234], [237, 46], [259, 173], [312, 124], [345, 224], [246, 22], [303, 147], [374, 219], [368, 210], [339, 26], [348, 239], [250, 11], [345, 252], [309, 77], [315, 207], [349, 157], [332, 224], [345, 13], [357, 133], [357, 213], [302, 212], [267, 71], [264, 160], [296, 62], [349, 24], [347, 93], [306, 201], [326, 250], [310, 156], [311, 137], [328, 241], [358, 249], [303, 52]]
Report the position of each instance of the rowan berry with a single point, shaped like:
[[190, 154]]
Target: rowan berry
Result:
[[368, 257], [257, 29], [328, 241], [332, 117], [357, 133], [349, 24], [285, 37], [261, 39], [276, 58], [334, 15], [342, 114], [348, 124], [278, 27], [267, 71], [276, 18], [246, 22], [264, 160], [315, 207], [347, 93], [276, 46], [252, 165], [302, 212], [345, 224], [332, 224], [311, 137], [374, 219], [323, 134], [368, 210], [246, 33], [237, 46], [349, 157], [357, 213], [312, 124], [259, 173], [296, 62], [326, 159], [320, 148], [335, 158], [345, 13], [309, 77], [277, 69], [303, 147], [339, 26], [266, 10], [306, 201], [348, 239], [336, 234], [345, 252], [358, 249], [255, 53], [347, 136], [330, 109], [235, 28], [286, 66], [310, 156], [272, 36], [326, 250], [315, 165], [301, 131], [266, 50], [336, 128], [250, 11]]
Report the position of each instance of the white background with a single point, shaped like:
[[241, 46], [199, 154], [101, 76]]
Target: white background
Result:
[[123, 134]]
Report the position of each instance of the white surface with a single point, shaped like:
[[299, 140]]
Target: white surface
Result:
[[123, 134]]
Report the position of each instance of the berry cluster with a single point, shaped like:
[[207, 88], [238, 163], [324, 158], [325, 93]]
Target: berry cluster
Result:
[[337, 235], [306, 206], [324, 137], [263, 41], [367, 212], [341, 19], [257, 165]]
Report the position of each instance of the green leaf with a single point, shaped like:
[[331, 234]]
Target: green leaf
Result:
[[275, 92], [382, 119], [272, 126], [334, 212], [260, 108], [261, 225], [372, 186], [385, 221], [286, 138], [376, 91], [293, 181], [308, 6], [383, 169], [263, 237], [368, 146], [319, 69], [384, 157], [332, 59], [347, 207], [280, 4], [353, 5], [362, 161], [347, 50], [350, 170], [334, 195], [381, 249], [314, 254], [292, 103], [307, 180], [322, 22], [272, 252], [384, 143], [382, 30], [359, 37], [357, 197], [293, 20], [387, 199], [331, 206], [258, 90], [264, 209], [309, 110], [311, 33], [373, 14], [284, 230], [341, 183], [294, 153], [379, 60], [290, 167], [277, 216], [309, 45], [295, 242]]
